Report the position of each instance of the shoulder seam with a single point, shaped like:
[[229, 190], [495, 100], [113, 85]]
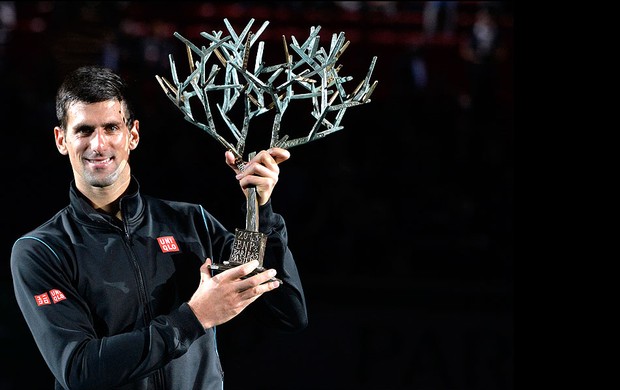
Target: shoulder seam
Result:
[[41, 241]]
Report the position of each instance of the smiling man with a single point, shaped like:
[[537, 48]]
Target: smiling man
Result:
[[116, 288], [98, 142]]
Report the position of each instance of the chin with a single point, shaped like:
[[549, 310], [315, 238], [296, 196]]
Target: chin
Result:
[[102, 180]]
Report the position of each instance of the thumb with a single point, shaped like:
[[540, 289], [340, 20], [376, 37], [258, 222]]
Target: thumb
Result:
[[205, 271], [231, 161]]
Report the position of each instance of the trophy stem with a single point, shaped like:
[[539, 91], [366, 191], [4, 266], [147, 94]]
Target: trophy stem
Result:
[[251, 218]]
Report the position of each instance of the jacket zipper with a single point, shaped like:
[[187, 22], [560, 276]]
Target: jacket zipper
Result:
[[159, 379]]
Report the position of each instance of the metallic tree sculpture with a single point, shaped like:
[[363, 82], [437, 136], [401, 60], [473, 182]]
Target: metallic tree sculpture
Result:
[[309, 72]]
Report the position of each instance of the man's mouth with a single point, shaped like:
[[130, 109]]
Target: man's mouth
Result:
[[98, 163]]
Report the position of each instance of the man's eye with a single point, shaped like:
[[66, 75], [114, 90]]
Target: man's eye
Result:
[[84, 131]]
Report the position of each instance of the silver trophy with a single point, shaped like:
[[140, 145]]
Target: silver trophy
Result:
[[221, 69]]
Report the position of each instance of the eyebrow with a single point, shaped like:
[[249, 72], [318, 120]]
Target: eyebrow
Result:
[[84, 126]]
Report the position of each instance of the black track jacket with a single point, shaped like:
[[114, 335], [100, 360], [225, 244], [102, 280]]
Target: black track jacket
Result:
[[106, 301]]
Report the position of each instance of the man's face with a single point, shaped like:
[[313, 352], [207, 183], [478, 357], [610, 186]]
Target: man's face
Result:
[[97, 141]]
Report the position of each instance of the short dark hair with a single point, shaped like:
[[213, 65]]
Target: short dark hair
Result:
[[91, 84]]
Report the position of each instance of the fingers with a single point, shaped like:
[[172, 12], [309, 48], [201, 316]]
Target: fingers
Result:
[[257, 284], [279, 154], [272, 157], [261, 171], [240, 271], [224, 295], [269, 158]]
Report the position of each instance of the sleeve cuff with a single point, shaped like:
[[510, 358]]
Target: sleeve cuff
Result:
[[187, 323], [268, 220]]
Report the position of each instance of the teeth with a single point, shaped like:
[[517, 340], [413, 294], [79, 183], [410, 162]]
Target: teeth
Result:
[[100, 161]]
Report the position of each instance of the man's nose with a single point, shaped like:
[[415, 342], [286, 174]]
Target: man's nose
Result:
[[99, 140]]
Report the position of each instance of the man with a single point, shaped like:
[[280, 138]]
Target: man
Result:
[[116, 287]]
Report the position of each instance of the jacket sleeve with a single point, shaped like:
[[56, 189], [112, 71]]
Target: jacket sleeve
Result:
[[61, 323], [286, 304]]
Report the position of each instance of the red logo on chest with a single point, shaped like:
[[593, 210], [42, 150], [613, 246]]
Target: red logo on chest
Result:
[[167, 244]]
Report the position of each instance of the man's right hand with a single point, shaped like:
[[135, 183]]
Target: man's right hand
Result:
[[221, 297]]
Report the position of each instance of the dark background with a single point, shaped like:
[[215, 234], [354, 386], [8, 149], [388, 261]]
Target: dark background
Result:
[[401, 224]]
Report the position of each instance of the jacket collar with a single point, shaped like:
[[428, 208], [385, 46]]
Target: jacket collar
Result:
[[131, 203]]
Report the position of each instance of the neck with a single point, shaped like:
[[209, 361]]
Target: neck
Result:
[[106, 199]]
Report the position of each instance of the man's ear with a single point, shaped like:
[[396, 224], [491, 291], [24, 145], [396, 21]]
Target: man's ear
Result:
[[134, 135], [59, 136]]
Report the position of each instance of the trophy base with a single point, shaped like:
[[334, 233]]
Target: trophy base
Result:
[[220, 267], [248, 245]]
